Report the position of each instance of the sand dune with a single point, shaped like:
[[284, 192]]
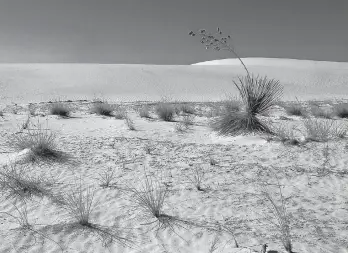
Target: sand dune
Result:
[[228, 195], [201, 82]]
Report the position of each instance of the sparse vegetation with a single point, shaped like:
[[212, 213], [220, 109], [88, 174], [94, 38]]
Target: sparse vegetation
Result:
[[323, 130], [320, 112]]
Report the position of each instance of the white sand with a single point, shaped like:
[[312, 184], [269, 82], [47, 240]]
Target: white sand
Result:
[[318, 205]]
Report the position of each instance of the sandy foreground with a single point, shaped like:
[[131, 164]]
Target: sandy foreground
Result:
[[317, 204]]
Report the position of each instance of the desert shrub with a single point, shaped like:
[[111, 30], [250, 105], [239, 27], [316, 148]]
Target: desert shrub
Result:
[[144, 112], [130, 123], [320, 112], [341, 110], [120, 113], [165, 111], [186, 108], [295, 109], [1, 113], [60, 109], [180, 127], [324, 130], [258, 96], [102, 108]]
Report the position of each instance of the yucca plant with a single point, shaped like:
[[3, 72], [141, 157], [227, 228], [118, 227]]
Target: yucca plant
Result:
[[258, 94]]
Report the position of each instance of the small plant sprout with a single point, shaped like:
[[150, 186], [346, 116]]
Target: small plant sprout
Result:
[[22, 217], [107, 178], [279, 216], [212, 161], [197, 177]]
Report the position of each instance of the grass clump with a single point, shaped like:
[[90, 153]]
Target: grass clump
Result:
[[60, 109], [295, 110], [187, 108], [79, 203], [258, 96], [40, 142], [150, 197], [341, 110], [165, 111], [319, 112], [102, 108]]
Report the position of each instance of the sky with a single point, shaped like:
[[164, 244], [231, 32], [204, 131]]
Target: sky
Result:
[[156, 31]]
